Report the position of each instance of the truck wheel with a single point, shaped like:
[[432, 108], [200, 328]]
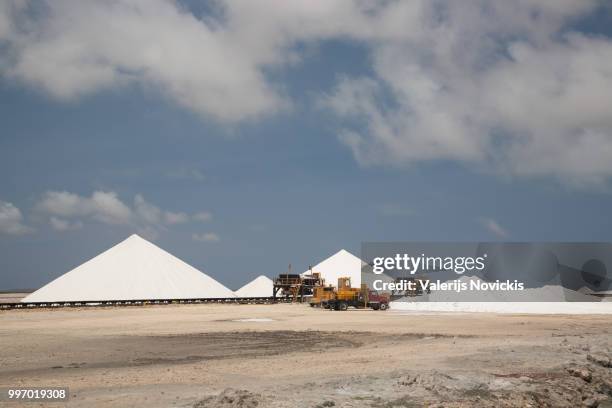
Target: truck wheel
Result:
[[384, 306], [312, 305], [342, 306]]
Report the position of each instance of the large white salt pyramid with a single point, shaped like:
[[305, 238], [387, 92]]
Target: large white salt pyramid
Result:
[[261, 286], [134, 269], [341, 264]]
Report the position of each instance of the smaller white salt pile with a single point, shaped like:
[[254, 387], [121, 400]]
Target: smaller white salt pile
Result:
[[551, 299], [261, 286]]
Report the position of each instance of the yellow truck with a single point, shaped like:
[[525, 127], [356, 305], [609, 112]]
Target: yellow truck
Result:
[[345, 296], [321, 296]]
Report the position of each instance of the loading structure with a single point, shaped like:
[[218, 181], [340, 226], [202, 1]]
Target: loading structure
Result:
[[295, 287]]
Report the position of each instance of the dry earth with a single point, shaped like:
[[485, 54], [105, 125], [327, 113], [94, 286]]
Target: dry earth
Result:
[[293, 356]]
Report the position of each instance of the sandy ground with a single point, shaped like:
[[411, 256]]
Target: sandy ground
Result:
[[295, 356]]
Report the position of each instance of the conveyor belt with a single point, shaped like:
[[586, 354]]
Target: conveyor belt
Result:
[[112, 303]]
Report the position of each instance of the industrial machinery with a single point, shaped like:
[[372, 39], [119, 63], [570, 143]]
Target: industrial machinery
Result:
[[419, 285], [321, 296], [345, 296], [295, 287]]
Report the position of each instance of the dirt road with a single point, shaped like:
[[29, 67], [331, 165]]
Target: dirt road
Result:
[[294, 356]]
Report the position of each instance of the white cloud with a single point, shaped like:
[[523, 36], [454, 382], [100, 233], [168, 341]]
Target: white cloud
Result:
[[493, 226], [67, 210], [11, 220], [186, 173], [213, 65], [176, 218], [148, 232], [206, 237], [102, 206], [501, 86], [60, 224], [149, 213], [196, 63], [203, 216]]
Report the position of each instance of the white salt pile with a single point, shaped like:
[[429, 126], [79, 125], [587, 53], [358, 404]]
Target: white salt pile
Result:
[[134, 269], [261, 286], [376, 282], [549, 293], [551, 299], [340, 265]]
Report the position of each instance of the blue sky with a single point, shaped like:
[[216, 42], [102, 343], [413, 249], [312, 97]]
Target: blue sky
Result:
[[277, 138]]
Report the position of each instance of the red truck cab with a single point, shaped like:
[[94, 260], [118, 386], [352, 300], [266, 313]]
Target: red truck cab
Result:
[[377, 301]]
